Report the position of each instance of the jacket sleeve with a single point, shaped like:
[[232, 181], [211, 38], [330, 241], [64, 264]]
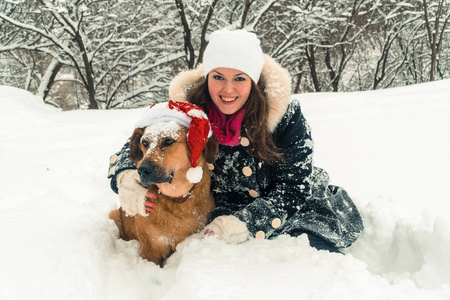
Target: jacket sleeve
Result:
[[290, 179], [119, 162]]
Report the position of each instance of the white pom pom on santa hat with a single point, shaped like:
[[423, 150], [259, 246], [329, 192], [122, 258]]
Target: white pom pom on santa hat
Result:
[[194, 175], [188, 115]]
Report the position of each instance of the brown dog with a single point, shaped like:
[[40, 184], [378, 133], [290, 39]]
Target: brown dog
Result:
[[182, 208]]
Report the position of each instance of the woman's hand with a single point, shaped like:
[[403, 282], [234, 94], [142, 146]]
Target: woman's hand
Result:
[[228, 228], [149, 206], [131, 192], [209, 231]]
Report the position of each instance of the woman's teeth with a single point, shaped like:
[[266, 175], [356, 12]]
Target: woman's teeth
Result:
[[228, 99]]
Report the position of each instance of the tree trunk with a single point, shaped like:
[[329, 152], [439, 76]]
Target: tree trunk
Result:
[[204, 29], [48, 79], [188, 48], [333, 76], [297, 84], [248, 3], [432, 34], [90, 87], [312, 66]]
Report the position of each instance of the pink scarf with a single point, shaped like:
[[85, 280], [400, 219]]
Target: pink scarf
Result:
[[227, 130]]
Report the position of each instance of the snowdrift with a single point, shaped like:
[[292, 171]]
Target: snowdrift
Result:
[[388, 149]]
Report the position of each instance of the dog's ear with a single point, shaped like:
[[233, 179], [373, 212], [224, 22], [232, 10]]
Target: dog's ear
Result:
[[210, 150], [136, 152]]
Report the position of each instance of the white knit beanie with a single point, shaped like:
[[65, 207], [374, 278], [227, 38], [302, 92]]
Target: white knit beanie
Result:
[[237, 49]]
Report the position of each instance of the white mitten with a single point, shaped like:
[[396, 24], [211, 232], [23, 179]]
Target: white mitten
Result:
[[229, 228], [131, 192]]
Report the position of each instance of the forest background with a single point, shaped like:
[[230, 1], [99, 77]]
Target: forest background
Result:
[[103, 54]]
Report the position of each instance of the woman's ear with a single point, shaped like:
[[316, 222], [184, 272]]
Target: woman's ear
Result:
[[210, 150], [136, 152]]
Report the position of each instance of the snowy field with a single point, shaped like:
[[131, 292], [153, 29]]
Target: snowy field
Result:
[[389, 149]]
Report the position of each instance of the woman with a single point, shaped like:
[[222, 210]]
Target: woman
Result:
[[263, 180]]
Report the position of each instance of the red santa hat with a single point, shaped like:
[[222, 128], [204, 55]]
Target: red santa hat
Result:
[[188, 115]]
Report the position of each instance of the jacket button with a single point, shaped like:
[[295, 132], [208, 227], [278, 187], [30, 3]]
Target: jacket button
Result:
[[112, 170], [253, 193], [260, 235], [276, 223], [247, 171], [210, 166], [113, 159], [244, 141]]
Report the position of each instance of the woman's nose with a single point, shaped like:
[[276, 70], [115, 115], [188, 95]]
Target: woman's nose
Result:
[[229, 86]]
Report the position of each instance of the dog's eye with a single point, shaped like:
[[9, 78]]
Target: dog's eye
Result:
[[145, 144], [167, 142]]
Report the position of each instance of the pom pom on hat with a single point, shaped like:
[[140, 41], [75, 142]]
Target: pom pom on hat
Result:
[[188, 115], [237, 49]]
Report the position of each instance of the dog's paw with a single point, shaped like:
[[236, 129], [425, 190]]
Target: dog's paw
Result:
[[228, 228]]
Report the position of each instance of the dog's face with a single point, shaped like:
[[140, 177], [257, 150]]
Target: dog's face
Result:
[[160, 152]]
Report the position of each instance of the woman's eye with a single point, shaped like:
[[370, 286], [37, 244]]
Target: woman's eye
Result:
[[168, 142], [145, 144], [217, 77], [239, 79]]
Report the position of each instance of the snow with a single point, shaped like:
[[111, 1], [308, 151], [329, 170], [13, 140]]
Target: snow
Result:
[[158, 130], [388, 148], [197, 113]]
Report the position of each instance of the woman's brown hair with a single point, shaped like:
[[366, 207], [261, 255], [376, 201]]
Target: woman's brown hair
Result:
[[257, 113]]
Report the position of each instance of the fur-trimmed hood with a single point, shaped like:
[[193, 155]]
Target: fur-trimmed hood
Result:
[[275, 80]]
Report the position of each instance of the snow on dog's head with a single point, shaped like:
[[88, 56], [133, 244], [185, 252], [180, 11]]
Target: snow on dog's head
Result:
[[185, 114], [160, 129]]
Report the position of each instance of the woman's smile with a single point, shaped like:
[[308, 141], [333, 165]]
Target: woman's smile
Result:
[[228, 99]]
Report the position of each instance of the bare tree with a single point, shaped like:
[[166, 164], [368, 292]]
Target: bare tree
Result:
[[436, 15], [124, 53], [395, 20], [101, 40]]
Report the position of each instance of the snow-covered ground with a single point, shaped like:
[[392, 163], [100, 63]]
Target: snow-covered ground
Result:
[[389, 149]]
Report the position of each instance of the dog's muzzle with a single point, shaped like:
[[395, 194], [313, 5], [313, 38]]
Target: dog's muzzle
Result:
[[151, 174]]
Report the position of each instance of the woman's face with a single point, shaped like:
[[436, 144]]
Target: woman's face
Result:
[[229, 89]]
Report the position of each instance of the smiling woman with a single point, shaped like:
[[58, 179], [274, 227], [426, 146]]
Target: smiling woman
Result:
[[263, 179], [229, 89]]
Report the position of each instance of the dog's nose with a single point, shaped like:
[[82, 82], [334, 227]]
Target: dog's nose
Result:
[[145, 171], [151, 174]]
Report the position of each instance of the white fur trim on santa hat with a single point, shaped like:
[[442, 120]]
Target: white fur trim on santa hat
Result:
[[160, 112], [237, 49]]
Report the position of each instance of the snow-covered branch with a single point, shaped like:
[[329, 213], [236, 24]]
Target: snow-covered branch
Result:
[[123, 53]]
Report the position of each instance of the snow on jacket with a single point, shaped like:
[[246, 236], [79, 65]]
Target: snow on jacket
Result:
[[292, 197]]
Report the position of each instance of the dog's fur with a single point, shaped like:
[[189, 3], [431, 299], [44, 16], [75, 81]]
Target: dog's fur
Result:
[[175, 216]]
